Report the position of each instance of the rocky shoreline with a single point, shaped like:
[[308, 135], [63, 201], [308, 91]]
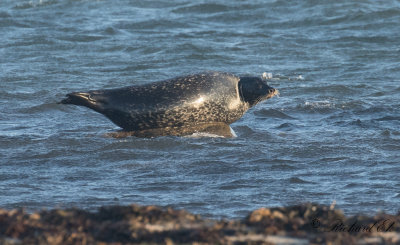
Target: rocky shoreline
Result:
[[134, 224]]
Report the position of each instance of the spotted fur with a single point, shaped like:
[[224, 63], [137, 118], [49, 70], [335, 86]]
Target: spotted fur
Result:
[[190, 102]]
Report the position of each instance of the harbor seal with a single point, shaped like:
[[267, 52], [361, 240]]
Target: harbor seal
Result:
[[204, 102]]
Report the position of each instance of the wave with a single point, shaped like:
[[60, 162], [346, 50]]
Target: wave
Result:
[[322, 107], [81, 38], [297, 180], [34, 4], [388, 118], [45, 107], [273, 113], [329, 89], [287, 126], [202, 8]]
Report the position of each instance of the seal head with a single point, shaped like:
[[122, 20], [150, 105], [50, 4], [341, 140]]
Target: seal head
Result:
[[254, 90]]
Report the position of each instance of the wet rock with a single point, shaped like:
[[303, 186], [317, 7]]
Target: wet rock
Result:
[[134, 224]]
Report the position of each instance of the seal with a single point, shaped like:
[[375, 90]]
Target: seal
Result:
[[204, 102]]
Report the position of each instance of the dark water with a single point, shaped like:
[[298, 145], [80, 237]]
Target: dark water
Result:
[[332, 135]]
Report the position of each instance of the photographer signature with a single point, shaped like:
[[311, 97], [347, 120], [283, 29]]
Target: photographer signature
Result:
[[386, 225]]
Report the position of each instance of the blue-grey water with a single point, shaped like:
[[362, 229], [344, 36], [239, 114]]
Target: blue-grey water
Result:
[[333, 134]]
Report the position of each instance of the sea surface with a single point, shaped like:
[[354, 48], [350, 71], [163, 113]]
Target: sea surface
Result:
[[332, 136]]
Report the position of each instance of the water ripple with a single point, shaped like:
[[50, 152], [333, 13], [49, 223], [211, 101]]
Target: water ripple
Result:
[[334, 127]]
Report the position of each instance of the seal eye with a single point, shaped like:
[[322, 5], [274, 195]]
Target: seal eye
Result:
[[90, 98]]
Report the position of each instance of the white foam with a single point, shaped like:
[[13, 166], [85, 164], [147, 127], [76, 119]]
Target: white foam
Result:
[[267, 75], [204, 134], [319, 104], [210, 135], [234, 135], [299, 77]]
